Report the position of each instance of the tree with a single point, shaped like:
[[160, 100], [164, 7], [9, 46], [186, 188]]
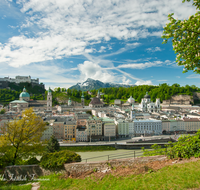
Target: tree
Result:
[[2, 111], [21, 137], [53, 145], [185, 39]]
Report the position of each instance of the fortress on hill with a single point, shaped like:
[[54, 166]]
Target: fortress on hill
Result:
[[19, 79]]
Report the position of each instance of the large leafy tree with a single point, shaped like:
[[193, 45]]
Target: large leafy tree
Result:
[[185, 36], [21, 137]]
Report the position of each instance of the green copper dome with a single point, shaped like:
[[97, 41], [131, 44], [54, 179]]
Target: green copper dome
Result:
[[82, 95], [24, 94], [49, 90]]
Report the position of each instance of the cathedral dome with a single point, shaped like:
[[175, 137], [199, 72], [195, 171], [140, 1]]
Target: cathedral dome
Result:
[[24, 94], [146, 95]]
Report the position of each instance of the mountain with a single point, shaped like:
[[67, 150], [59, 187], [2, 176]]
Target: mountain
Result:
[[91, 84]]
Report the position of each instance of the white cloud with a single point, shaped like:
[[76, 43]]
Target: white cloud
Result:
[[141, 82], [102, 49], [178, 77], [153, 49], [91, 70], [132, 65], [193, 76], [141, 65], [125, 80], [60, 29]]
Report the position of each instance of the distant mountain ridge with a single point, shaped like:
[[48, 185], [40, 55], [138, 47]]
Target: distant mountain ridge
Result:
[[91, 84]]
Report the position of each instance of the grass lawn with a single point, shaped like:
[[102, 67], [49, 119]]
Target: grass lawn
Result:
[[87, 148], [178, 176]]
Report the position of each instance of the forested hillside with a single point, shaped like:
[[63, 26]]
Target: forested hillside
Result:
[[163, 91], [7, 95], [61, 95]]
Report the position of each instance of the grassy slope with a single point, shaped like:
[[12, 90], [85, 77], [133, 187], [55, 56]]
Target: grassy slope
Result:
[[179, 176]]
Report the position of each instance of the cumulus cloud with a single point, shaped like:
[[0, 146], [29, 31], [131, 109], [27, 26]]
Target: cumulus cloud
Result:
[[91, 70], [125, 80], [141, 82], [57, 29]]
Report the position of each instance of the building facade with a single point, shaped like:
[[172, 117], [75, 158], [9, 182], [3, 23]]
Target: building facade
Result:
[[147, 106]]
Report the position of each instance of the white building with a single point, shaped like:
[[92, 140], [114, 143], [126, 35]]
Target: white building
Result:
[[147, 127], [147, 106], [122, 127], [19, 79]]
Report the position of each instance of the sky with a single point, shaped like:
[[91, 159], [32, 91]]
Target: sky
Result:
[[63, 42]]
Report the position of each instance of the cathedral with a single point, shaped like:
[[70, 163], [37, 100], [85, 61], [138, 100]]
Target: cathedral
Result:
[[25, 102], [147, 106]]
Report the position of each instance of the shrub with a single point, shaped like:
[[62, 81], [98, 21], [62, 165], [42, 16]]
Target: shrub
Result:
[[32, 161], [157, 150], [58, 159], [4, 161], [186, 147]]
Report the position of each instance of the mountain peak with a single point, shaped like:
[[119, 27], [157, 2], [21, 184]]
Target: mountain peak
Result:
[[91, 84]]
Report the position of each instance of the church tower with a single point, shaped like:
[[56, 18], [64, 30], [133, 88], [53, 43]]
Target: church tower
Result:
[[132, 112], [82, 99], [98, 94], [49, 100]]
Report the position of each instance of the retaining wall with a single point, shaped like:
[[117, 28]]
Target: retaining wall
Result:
[[31, 172]]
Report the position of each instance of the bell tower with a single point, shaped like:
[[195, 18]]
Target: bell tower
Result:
[[49, 100], [82, 99]]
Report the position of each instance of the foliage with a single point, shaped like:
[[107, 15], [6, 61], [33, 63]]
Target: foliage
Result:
[[186, 147], [185, 39], [163, 91], [32, 161], [89, 112], [2, 111], [31, 88], [58, 159], [7, 95], [53, 145], [157, 150], [21, 137]]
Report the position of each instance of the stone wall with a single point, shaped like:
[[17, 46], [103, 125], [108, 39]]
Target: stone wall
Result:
[[34, 171]]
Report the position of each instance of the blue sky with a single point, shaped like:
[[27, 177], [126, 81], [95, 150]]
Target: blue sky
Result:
[[63, 42]]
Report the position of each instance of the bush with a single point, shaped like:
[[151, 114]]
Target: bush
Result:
[[4, 161], [186, 147], [157, 150], [58, 159], [32, 161]]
